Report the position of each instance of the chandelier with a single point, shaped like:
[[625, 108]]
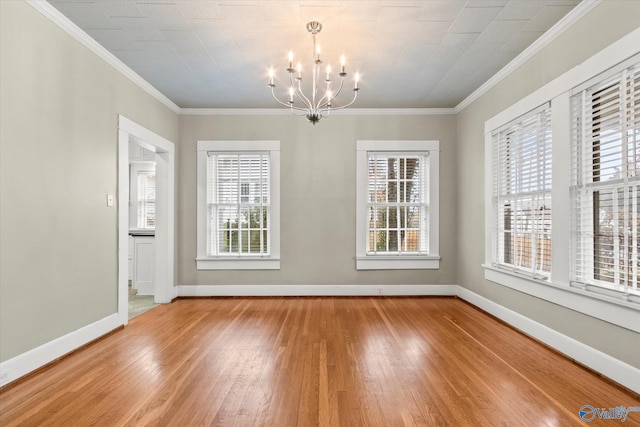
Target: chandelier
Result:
[[321, 99]]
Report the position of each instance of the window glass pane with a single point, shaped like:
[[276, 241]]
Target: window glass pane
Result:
[[265, 240], [522, 194], [227, 180], [395, 203], [254, 241], [382, 238], [238, 187], [606, 132]]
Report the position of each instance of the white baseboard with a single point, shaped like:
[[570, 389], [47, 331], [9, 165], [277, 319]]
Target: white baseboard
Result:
[[315, 290], [19, 366], [610, 367]]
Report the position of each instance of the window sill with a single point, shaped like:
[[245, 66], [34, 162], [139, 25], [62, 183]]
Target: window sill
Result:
[[614, 310], [236, 263], [383, 262]]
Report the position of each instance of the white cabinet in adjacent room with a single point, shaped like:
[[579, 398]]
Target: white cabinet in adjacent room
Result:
[[143, 264], [131, 246]]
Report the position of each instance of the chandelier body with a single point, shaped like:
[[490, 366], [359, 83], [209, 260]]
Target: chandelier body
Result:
[[320, 101]]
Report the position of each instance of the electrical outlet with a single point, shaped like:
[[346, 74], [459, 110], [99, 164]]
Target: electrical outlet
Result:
[[4, 377], [379, 290]]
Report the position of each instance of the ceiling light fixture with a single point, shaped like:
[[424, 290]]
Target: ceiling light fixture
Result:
[[318, 103]]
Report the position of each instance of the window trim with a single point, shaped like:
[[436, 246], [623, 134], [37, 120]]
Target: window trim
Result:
[[258, 262], [366, 261], [557, 288]]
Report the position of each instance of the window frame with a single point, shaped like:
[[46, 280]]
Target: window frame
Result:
[[558, 288], [515, 147], [237, 262], [388, 261], [588, 183]]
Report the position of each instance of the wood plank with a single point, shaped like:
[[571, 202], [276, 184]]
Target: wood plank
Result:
[[312, 361]]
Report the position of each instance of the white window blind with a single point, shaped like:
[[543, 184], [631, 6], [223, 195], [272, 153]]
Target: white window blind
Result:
[[522, 194], [146, 199], [238, 199], [397, 203], [606, 182]]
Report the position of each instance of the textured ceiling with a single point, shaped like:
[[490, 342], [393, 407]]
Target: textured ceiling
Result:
[[410, 53]]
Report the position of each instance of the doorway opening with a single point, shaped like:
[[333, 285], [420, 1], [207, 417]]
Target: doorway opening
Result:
[[142, 228], [145, 218]]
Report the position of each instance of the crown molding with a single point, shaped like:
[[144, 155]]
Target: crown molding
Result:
[[346, 112], [233, 112], [77, 33], [552, 33]]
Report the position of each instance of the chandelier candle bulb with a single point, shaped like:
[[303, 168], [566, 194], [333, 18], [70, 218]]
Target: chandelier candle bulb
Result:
[[342, 61], [299, 71], [328, 73], [271, 77], [291, 90], [290, 69], [357, 77]]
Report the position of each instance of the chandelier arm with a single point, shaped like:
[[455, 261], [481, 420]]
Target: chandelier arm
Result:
[[325, 100], [304, 111], [286, 104], [349, 104], [339, 89], [328, 101], [322, 102], [303, 99], [313, 87], [277, 100], [295, 110], [301, 96], [344, 106]]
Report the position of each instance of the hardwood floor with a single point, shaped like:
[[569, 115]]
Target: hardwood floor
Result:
[[313, 362]]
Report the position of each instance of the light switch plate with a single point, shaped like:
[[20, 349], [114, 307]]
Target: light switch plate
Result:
[[109, 200]]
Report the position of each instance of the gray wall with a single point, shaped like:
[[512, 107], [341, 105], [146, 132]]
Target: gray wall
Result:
[[59, 106], [318, 192], [604, 25]]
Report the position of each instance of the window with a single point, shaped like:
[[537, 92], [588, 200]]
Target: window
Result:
[[238, 205], [606, 181], [522, 194], [142, 195], [397, 205], [593, 184], [238, 223], [146, 208]]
